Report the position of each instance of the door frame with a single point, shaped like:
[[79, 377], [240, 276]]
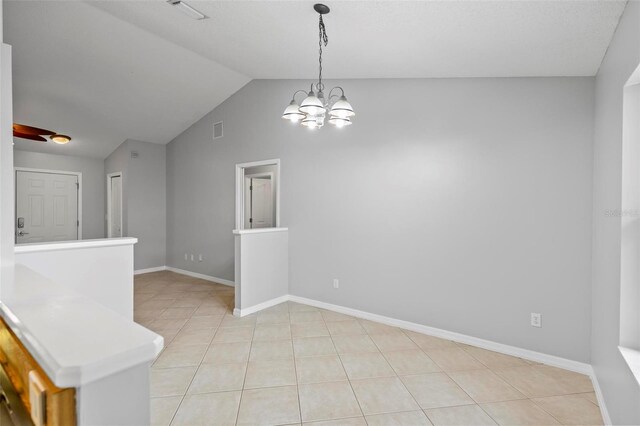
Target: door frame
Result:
[[55, 172], [240, 188], [109, 176]]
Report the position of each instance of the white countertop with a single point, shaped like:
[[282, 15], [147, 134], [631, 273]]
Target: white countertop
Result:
[[74, 339], [258, 230], [76, 244]]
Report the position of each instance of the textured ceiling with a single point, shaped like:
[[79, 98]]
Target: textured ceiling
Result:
[[105, 71], [82, 72], [390, 39]]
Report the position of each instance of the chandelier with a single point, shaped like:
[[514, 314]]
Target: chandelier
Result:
[[314, 108]]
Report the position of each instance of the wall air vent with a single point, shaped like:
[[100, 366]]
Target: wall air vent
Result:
[[217, 130], [134, 154]]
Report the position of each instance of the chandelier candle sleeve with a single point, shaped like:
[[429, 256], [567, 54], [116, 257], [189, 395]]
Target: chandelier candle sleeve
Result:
[[313, 109]]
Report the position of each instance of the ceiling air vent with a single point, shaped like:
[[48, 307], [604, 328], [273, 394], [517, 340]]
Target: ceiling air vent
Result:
[[217, 130]]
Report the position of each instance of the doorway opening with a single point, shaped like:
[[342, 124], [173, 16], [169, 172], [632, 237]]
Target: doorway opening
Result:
[[629, 215], [48, 205], [114, 205], [258, 194]]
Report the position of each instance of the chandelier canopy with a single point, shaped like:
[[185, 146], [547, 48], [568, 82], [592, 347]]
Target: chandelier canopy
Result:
[[313, 109]]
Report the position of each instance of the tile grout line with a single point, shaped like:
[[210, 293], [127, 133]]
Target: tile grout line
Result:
[[397, 376], [295, 364], [189, 385], [442, 370], [175, 413], [246, 371], [479, 404], [476, 403], [197, 367], [542, 408], [203, 356], [355, 396], [400, 378]]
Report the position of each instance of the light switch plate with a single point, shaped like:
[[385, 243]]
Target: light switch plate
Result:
[[37, 399]]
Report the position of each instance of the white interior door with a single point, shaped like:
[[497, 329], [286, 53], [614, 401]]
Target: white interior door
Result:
[[261, 203], [115, 209], [46, 207]]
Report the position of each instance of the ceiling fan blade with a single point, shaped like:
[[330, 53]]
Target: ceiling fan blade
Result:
[[29, 130], [27, 136]]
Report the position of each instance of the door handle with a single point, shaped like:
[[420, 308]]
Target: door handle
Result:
[[21, 233]]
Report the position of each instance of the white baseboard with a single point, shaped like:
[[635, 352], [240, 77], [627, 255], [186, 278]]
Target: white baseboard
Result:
[[260, 306], [552, 360], [567, 364], [147, 270], [201, 276], [603, 407]]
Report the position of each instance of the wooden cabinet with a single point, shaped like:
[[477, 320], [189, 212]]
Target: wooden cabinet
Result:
[[57, 405]]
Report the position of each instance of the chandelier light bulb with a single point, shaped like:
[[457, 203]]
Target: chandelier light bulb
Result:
[[310, 122], [340, 122]]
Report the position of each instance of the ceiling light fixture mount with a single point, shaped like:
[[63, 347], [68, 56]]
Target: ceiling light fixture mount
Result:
[[322, 9], [312, 111]]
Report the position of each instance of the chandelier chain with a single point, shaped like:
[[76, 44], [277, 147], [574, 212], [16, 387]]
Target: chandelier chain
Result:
[[322, 38], [316, 109]]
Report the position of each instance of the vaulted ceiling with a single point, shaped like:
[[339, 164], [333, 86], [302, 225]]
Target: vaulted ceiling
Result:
[[106, 71]]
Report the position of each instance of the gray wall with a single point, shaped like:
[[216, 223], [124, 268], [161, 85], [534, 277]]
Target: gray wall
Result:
[[93, 185], [146, 203], [463, 204], [143, 198], [621, 391]]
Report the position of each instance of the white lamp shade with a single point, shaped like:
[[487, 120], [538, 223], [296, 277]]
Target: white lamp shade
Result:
[[342, 108], [339, 121], [311, 105], [292, 112]]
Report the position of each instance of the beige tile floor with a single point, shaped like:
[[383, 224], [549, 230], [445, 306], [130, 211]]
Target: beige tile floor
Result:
[[296, 364]]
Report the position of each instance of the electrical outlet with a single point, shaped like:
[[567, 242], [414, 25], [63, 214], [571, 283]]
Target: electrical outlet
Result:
[[192, 257], [536, 320], [336, 283], [200, 258], [186, 256]]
